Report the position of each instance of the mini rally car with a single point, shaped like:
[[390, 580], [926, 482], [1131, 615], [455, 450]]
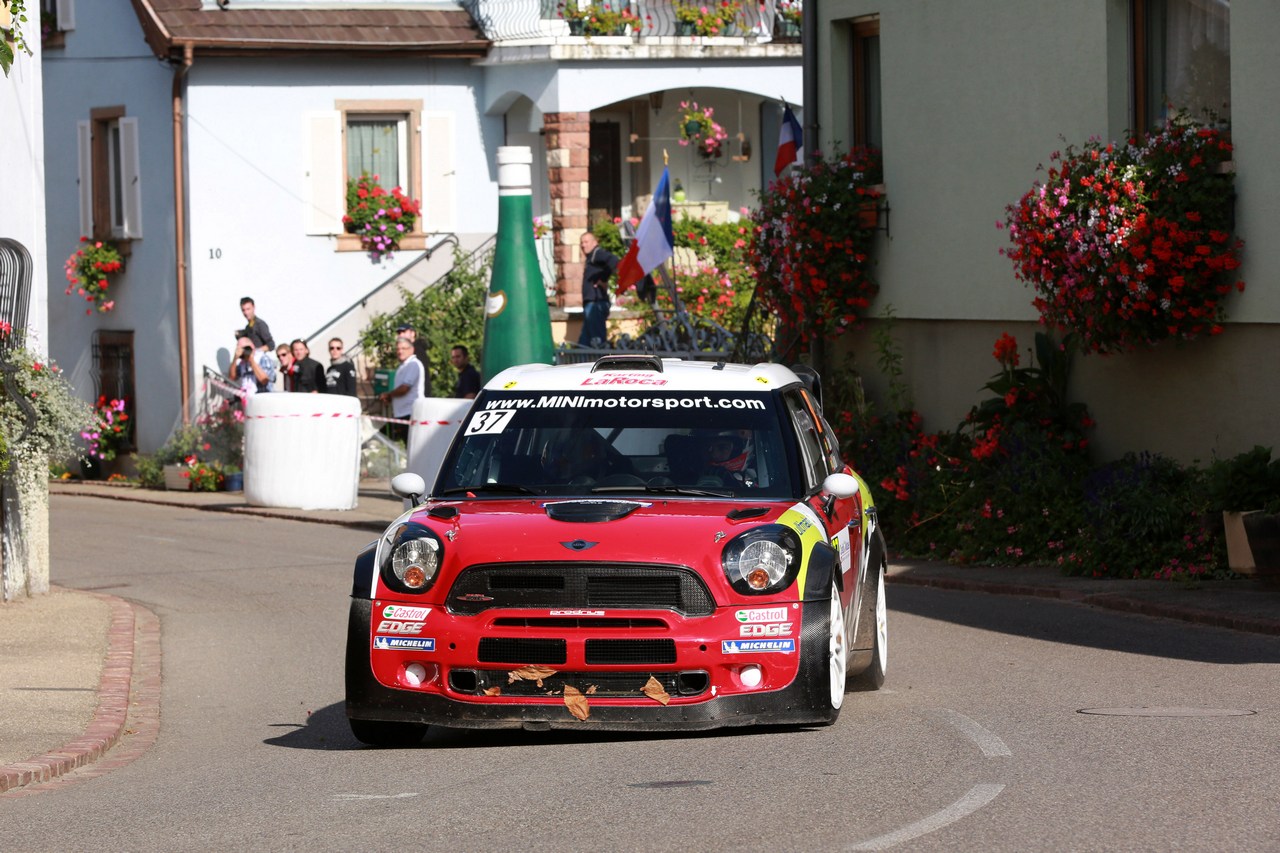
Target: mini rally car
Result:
[[638, 543]]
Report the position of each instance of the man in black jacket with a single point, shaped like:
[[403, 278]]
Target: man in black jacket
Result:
[[598, 266], [309, 377], [340, 378]]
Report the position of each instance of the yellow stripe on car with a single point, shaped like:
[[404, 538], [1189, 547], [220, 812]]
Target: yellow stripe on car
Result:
[[805, 522]]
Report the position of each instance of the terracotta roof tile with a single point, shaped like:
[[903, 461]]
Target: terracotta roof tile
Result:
[[397, 30]]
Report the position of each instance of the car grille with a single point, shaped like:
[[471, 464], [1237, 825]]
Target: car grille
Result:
[[607, 684], [520, 651], [621, 652], [579, 585]]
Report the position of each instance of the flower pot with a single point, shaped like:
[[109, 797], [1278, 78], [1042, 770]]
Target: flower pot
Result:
[[868, 215], [692, 128], [1253, 543], [575, 27], [233, 482], [173, 479], [684, 28]]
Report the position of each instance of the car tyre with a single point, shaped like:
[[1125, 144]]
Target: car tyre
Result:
[[824, 660], [379, 733], [872, 678]]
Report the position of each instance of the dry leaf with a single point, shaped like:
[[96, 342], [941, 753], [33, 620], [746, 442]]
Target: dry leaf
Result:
[[653, 689], [530, 673], [493, 691], [576, 702], [591, 689]]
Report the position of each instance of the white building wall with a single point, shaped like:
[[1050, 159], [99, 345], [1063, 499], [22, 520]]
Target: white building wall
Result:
[[247, 150], [106, 62], [22, 197]]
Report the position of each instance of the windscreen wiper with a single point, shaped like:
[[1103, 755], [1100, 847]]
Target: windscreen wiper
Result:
[[509, 488], [667, 490]]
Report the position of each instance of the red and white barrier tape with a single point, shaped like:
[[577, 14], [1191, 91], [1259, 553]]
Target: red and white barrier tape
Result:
[[242, 394]]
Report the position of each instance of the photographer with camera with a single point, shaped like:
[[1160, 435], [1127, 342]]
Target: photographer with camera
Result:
[[254, 370]]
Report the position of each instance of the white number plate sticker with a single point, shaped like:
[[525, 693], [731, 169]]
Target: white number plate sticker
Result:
[[490, 421]]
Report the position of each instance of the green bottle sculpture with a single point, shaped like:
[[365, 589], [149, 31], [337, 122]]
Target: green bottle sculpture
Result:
[[517, 323]]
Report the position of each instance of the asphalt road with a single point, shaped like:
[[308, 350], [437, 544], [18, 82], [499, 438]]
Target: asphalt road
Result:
[[976, 743]]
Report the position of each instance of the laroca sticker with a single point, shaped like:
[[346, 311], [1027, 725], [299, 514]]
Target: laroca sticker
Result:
[[737, 647], [764, 614], [412, 614]]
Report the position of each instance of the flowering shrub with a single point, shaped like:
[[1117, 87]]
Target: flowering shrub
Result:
[[59, 417], [709, 19], [110, 431], [811, 253], [601, 18], [698, 128], [380, 218], [541, 228], [202, 476], [1127, 245], [88, 270]]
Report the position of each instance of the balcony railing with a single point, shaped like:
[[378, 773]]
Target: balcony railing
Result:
[[541, 20]]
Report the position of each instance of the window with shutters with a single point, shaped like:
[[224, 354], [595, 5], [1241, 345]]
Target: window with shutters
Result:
[[110, 179], [393, 139], [56, 18]]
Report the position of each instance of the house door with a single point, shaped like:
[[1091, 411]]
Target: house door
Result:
[[604, 173]]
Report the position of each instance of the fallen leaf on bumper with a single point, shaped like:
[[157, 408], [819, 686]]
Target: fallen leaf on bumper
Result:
[[493, 691], [653, 689], [576, 702], [530, 673]]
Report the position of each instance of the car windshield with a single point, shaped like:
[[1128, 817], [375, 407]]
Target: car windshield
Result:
[[696, 444]]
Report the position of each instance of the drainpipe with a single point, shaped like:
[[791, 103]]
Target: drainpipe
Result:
[[180, 231], [809, 69]]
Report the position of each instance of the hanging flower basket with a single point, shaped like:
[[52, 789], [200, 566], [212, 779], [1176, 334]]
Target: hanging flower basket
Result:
[[698, 128], [1128, 244], [378, 217], [89, 271]]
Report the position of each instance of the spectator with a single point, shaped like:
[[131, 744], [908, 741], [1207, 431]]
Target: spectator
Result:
[[340, 378], [254, 370], [468, 377], [598, 266], [405, 388], [405, 330], [284, 379], [255, 327], [308, 377]]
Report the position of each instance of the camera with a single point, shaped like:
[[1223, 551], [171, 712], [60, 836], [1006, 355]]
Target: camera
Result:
[[247, 352]]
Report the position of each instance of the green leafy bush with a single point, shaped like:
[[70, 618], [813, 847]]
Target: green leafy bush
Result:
[[448, 313], [1247, 481]]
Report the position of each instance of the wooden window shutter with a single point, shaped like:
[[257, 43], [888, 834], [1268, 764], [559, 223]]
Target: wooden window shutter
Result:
[[325, 198], [84, 137], [439, 185], [130, 178]]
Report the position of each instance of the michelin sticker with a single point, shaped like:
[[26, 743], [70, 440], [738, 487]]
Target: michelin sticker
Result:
[[417, 644], [737, 647]]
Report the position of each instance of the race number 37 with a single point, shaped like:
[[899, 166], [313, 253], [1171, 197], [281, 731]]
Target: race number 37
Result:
[[490, 421]]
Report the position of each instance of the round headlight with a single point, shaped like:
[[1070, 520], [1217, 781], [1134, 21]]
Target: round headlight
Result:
[[409, 556], [765, 559]]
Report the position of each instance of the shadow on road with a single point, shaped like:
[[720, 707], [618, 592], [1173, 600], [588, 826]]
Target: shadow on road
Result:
[[326, 729], [1079, 625]]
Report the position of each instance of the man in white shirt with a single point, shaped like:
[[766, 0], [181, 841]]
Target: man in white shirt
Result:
[[405, 388]]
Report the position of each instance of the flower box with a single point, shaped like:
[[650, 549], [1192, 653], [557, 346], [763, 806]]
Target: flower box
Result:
[[173, 479]]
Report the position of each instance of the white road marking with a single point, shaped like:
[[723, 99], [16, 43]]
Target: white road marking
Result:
[[156, 538], [987, 741], [978, 796], [373, 796]]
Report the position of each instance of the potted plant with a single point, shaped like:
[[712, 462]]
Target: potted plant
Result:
[[379, 217], [707, 19], [1128, 244], [699, 129], [89, 271], [790, 14], [233, 478], [599, 18], [106, 437], [1246, 488]]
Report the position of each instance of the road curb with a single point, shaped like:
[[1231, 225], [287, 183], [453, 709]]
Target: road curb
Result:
[[109, 717], [1106, 600]]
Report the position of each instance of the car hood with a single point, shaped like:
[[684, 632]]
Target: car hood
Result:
[[605, 529]]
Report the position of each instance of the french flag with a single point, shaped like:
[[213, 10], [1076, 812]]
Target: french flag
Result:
[[653, 243], [790, 142]]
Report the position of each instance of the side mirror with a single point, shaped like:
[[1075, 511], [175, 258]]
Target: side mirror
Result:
[[840, 486], [411, 487]]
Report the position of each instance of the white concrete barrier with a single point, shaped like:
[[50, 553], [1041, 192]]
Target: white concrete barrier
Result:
[[435, 422], [302, 450]]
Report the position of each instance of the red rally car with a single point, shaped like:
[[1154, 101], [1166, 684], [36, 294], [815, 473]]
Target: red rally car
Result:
[[638, 543]]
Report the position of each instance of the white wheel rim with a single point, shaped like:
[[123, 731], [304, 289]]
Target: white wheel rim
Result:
[[882, 626], [838, 653]]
